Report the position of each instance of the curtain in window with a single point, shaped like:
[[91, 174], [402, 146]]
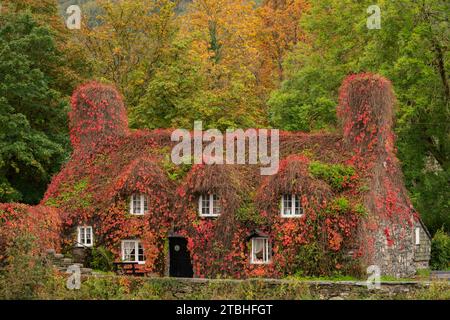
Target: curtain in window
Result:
[[129, 251], [258, 250], [287, 204]]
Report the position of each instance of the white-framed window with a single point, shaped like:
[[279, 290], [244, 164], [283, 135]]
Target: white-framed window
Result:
[[208, 205], [417, 237], [260, 251], [138, 204], [85, 236], [133, 251], [290, 206]]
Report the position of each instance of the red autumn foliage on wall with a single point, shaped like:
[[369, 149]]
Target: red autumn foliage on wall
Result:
[[366, 107], [250, 205]]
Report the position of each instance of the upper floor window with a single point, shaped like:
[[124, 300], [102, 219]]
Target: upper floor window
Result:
[[208, 205], [85, 236], [260, 250], [133, 251], [290, 206], [138, 204], [417, 236]]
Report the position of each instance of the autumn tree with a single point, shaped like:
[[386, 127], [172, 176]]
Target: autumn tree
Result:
[[129, 42], [279, 33], [224, 38]]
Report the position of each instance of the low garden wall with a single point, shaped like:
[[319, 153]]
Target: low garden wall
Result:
[[253, 289]]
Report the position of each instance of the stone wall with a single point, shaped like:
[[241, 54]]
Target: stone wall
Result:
[[261, 289], [395, 259]]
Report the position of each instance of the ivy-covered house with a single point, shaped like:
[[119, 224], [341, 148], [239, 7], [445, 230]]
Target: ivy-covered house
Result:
[[336, 205]]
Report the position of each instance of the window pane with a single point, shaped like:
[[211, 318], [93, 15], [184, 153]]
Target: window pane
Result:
[[287, 205], [297, 208], [88, 236], [82, 235], [136, 204], [141, 256], [215, 204], [145, 203], [204, 204], [129, 251]]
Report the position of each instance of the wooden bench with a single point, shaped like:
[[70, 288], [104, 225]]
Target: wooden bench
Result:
[[128, 268], [440, 275]]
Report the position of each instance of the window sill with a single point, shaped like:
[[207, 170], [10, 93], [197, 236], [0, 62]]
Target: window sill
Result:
[[292, 216], [261, 263], [138, 262], [83, 246]]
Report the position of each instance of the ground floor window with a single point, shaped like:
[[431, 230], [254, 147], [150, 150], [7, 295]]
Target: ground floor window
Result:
[[260, 253], [85, 236], [133, 251]]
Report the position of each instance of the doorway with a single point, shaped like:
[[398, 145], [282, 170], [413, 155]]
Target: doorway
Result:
[[180, 259]]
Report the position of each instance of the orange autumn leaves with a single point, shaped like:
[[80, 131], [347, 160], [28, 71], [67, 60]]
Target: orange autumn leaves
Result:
[[241, 40]]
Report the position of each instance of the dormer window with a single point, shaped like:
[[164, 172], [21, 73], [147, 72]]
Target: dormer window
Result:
[[85, 236], [261, 250], [138, 204], [208, 205], [290, 206]]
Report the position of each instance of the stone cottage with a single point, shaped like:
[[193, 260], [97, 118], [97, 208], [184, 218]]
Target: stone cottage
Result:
[[336, 205]]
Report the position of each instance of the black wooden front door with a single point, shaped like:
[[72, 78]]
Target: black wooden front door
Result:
[[180, 260]]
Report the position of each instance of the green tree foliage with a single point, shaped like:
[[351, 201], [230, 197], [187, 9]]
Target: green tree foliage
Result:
[[411, 49], [440, 251], [33, 130]]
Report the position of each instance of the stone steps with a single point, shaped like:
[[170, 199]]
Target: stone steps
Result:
[[61, 263]]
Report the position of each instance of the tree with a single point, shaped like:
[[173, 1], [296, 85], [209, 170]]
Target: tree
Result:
[[279, 33], [33, 134], [129, 42], [69, 71], [411, 49], [224, 41]]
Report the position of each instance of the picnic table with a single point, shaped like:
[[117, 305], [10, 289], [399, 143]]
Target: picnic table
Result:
[[123, 267], [440, 275]]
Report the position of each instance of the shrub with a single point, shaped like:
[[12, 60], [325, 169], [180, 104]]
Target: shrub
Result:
[[440, 251], [23, 274], [336, 175], [101, 259]]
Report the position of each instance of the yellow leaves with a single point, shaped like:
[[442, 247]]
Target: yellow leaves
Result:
[[117, 50]]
